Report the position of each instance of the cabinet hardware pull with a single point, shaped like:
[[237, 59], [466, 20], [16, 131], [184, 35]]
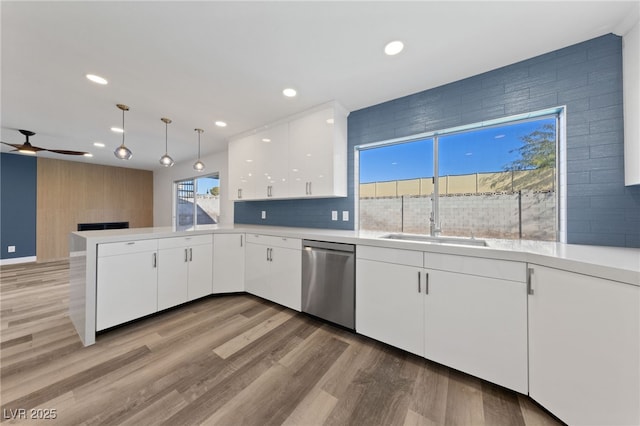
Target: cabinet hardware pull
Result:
[[267, 255], [240, 240], [529, 286], [306, 188], [155, 260], [419, 281], [426, 283], [190, 255], [310, 189], [239, 193], [185, 255], [130, 243]]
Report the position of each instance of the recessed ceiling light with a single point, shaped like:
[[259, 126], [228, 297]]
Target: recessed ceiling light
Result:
[[249, 161], [329, 120], [117, 130], [289, 92], [393, 48], [98, 144], [221, 124], [88, 154], [266, 140], [97, 79]]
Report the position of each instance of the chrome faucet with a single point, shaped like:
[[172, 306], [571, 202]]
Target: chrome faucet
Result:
[[434, 230]]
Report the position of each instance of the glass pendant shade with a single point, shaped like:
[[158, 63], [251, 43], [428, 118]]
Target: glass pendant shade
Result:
[[166, 160], [122, 152], [198, 165]]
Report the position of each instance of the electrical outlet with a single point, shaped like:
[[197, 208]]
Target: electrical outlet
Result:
[[11, 249], [345, 215], [334, 215], [264, 214]]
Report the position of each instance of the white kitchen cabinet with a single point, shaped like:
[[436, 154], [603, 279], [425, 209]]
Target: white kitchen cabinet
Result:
[[126, 282], [303, 156], [584, 347], [184, 269], [243, 174], [477, 323], [271, 146], [389, 306], [228, 263], [273, 269], [318, 154]]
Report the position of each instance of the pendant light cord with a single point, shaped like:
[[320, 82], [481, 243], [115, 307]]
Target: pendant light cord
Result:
[[166, 133], [123, 127]]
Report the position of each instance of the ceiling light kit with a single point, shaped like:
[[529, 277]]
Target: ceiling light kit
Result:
[[97, 79], [122, 152], [27, 148], [166, 160], [289, 92], [199, 165]]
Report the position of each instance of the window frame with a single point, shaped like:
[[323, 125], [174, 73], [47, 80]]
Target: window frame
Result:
[[215, 175], [559, 113]]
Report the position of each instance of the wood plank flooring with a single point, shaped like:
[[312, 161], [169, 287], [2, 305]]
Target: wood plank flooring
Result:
[[228, 360]]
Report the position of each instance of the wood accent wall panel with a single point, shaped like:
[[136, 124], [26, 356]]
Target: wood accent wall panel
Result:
[[72, 192]]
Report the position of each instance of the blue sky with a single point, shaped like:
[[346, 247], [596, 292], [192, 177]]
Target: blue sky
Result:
[[206, 183], [484, 150]]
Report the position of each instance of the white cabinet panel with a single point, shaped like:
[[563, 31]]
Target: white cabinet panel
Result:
[[126, 284], [584, 347], [228, 263], [304, 156], [173, 269], [389, 306], [200, 276], [317, 154], [478, 325], [273, 272]]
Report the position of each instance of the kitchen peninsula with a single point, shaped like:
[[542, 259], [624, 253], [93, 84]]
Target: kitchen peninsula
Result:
[[534, 317]]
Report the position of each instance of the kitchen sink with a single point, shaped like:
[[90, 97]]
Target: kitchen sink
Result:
[[439, 240]]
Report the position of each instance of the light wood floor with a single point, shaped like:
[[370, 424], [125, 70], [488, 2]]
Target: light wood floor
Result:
[[229, 360]]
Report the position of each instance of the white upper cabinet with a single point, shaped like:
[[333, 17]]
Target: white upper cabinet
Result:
[[302, 156], [271, 147], [318, 154]]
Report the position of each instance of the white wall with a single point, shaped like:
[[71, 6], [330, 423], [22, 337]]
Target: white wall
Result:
[[163, 180], [631, 96]]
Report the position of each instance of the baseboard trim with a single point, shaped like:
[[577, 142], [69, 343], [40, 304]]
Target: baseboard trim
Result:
[[17, 260]]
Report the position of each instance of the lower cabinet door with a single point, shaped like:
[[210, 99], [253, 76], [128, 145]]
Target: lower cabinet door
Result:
[[228, 263], [285, 277], [256, 271], [200, 271], [389, 304], [126, 288], [584, 347], [173, 266], [478, 325]]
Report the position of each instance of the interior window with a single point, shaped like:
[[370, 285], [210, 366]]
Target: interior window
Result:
[[197, 202], [495, 181]]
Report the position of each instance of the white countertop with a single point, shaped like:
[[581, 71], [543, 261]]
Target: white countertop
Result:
[[613, 263]]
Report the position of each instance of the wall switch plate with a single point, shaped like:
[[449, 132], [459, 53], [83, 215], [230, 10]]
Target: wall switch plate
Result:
[[11, 249], [345, 215], [264, 214], [334, 215]]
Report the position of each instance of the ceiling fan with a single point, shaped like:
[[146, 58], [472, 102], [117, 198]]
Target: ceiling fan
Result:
[[27, 148]]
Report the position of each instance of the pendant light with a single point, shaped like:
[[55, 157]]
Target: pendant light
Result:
[[199, 165], [122, 152], [166, 160]]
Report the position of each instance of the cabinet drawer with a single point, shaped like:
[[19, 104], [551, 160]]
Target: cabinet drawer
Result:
[[389, 255], [500, 269], [126, 247], [195, 240], [273, 241]]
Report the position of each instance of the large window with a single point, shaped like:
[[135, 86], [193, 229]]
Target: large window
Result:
[[197, 202], [490, 180]]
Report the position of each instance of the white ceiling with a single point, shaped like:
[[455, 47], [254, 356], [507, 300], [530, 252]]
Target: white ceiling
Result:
[[197, 62]]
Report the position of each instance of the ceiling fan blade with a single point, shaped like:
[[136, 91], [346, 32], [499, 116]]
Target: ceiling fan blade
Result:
[[15, 145], [65, 152], [24, 147]]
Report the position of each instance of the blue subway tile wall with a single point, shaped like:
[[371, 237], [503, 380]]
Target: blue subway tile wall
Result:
[[18, 198], [586, 78]]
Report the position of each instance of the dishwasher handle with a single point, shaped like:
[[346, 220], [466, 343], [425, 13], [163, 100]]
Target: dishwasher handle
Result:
[[325, 245]]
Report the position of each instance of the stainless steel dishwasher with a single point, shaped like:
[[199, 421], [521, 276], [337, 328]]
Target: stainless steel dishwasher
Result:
[[328, 281]]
